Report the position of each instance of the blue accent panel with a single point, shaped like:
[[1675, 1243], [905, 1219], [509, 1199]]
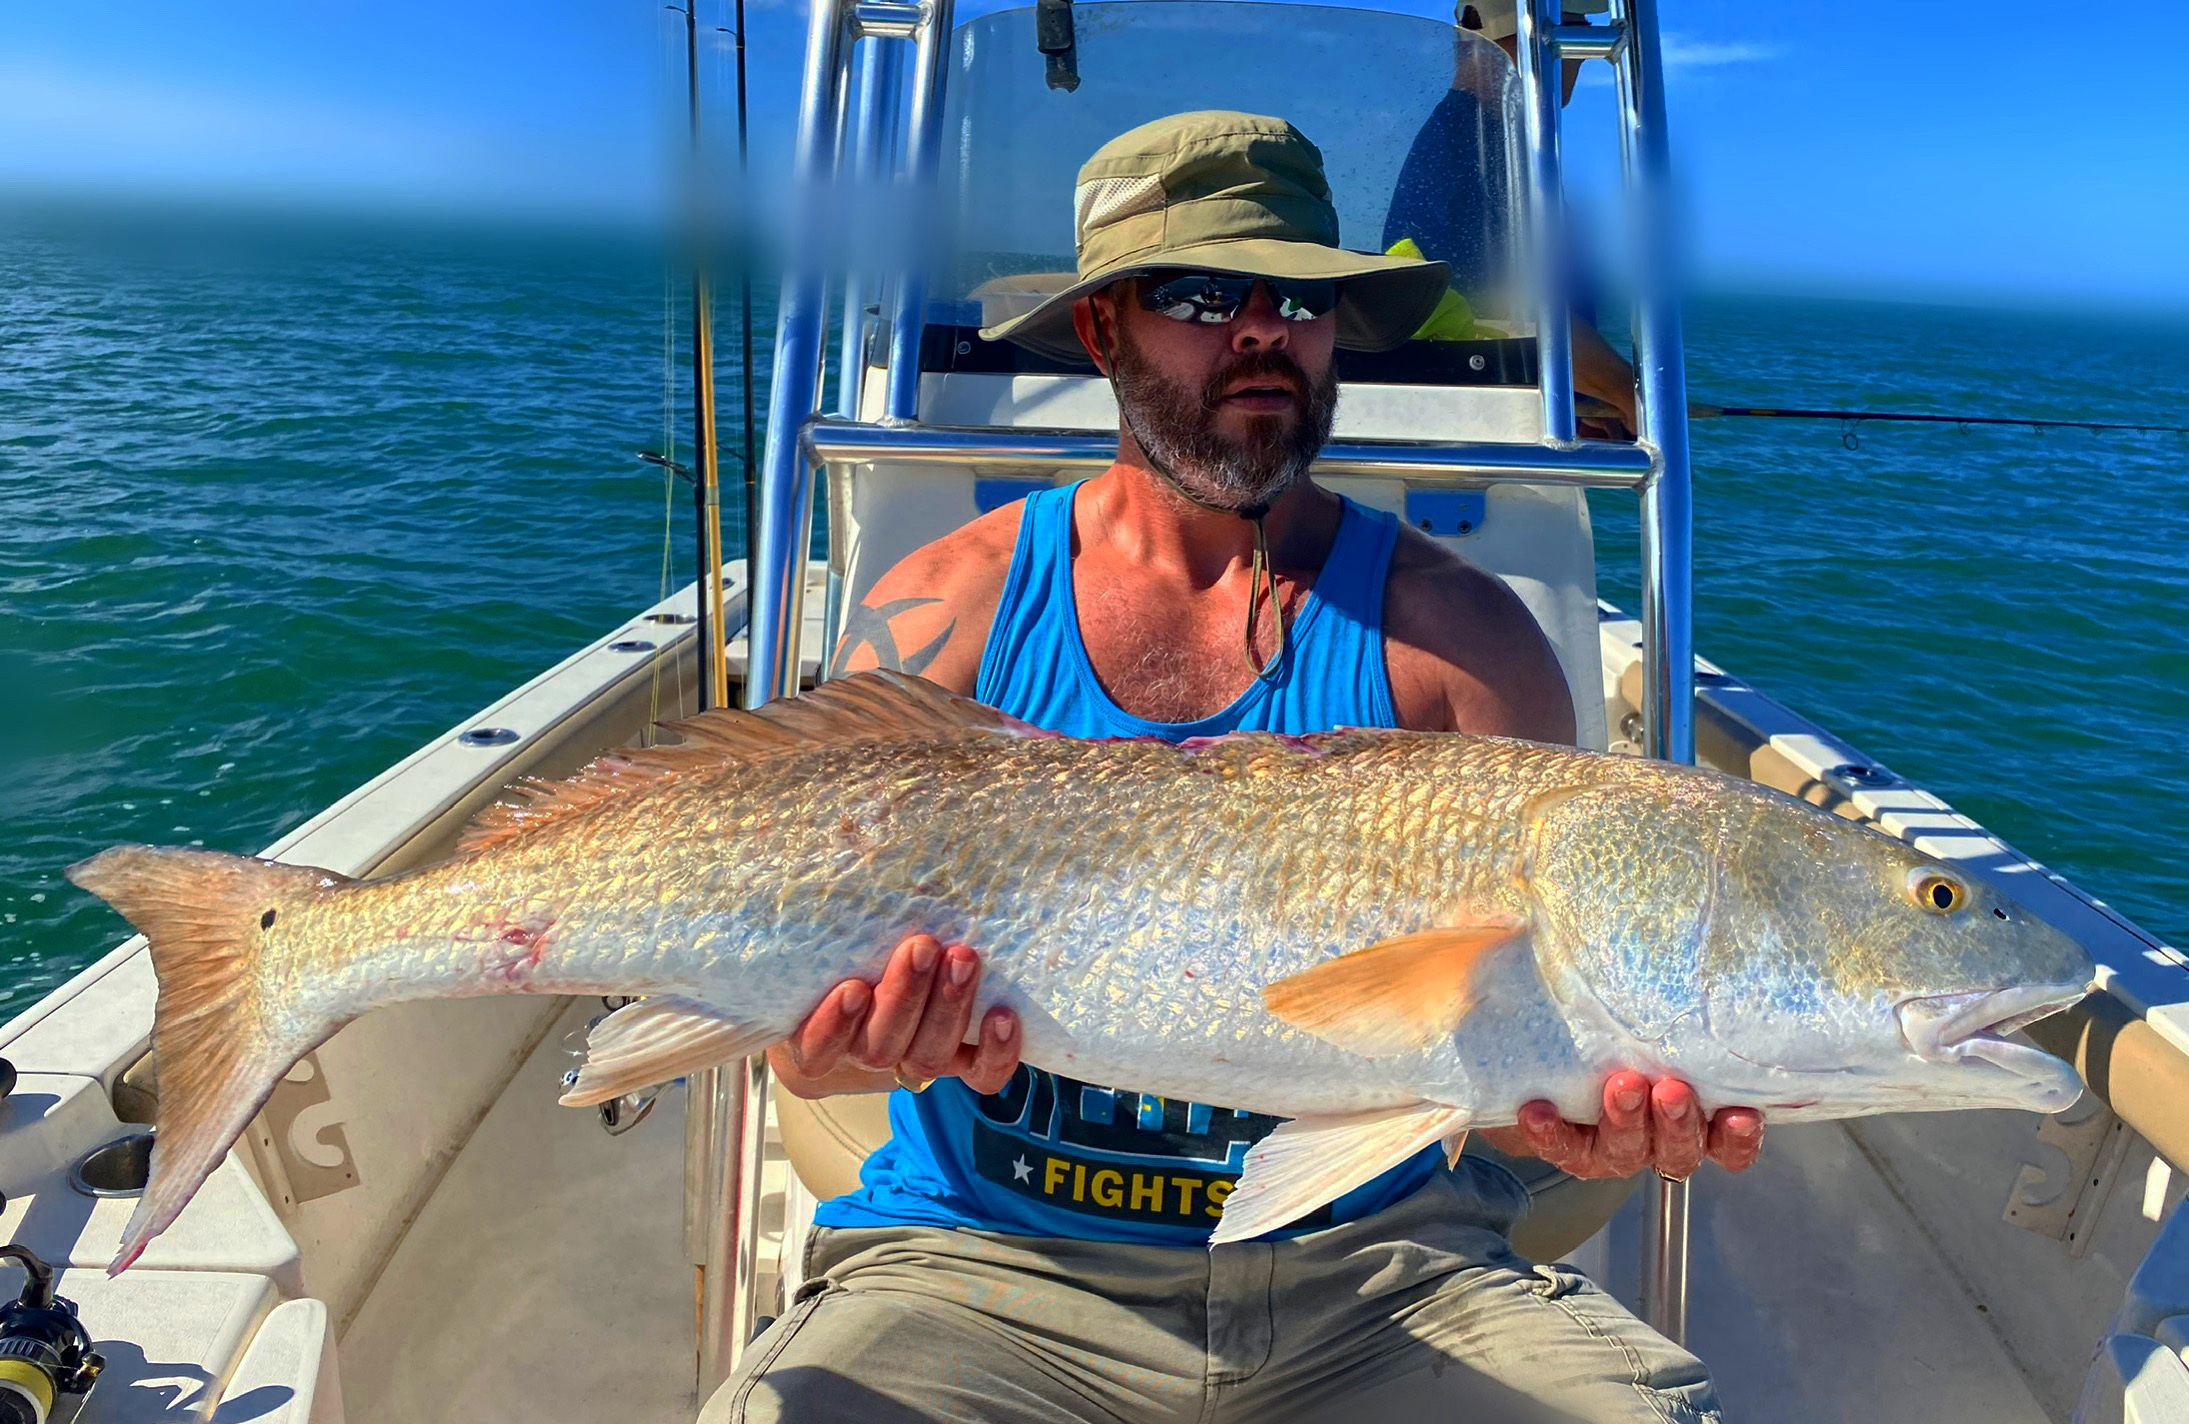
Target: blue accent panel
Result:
[[1151, 1111], [1446, 513], [1097, 1104], [1199, 1116], [994, 494]]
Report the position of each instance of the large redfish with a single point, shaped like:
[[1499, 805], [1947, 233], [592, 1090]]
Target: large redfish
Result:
[[1388, 936]]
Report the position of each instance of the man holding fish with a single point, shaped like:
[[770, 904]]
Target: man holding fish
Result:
[[1138, 856], [1212, 294]]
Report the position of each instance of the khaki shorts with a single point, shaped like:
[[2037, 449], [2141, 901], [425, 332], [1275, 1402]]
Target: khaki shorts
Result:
[[1421, 1312]]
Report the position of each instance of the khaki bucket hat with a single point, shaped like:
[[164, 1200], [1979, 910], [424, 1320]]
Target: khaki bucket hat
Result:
[[1216, 191]]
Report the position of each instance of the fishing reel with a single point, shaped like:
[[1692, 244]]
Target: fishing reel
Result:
[[617, 1115], [44, 1349]]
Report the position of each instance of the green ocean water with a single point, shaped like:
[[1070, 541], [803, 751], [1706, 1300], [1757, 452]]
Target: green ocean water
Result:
[[278, 503]]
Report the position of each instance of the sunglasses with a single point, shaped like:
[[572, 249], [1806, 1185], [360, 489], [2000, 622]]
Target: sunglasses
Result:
[[1213, 298]]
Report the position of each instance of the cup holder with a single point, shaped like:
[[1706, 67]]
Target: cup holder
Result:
[[119, 1169]]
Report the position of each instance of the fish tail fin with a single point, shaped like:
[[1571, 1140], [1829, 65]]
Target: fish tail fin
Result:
[[206, 916]]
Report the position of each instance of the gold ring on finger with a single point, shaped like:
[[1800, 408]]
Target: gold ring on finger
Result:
[[911, 1084]]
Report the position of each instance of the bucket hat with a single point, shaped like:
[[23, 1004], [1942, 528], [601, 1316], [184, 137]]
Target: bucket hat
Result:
[[1216, 191]]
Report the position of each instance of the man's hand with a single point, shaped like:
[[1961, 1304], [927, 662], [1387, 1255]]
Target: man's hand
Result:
[[1645, 1125], [913, 1022]]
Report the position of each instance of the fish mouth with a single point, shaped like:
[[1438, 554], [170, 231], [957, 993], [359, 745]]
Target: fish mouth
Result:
[[1974, 1027]]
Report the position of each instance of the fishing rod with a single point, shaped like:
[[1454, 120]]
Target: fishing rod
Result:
[[714, 685], [744, 309], [1849, 419]]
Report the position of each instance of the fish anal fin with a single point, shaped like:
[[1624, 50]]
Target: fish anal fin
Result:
[[1314, 1160], [1394, 996], [864, 709], [656, 1040]]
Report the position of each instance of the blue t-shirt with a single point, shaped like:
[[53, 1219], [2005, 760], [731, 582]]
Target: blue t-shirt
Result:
[[1053, 1156]]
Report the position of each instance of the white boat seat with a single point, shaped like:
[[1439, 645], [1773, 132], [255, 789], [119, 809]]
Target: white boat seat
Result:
[[828, 1140]]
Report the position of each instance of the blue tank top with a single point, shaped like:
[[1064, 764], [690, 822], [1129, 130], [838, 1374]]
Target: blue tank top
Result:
[[1052, 1156]]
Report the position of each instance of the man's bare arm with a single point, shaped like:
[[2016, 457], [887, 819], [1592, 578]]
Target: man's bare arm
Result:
[[930, 614], [869, 638], [1463, 653]]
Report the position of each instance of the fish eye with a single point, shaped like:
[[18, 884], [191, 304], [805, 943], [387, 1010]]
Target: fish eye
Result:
[[266, 921], [1940, 894]]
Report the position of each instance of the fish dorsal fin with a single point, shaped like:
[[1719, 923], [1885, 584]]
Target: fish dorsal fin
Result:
[[866, 708], [1394, 996], [861, 709]]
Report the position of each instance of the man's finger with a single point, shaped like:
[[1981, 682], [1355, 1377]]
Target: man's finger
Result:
[[1553, 1139], [941, 1032], [816, 1045], [900, 1001], [1623, 1136], [1678, 1128], [991, 1062], [1736, 1137]]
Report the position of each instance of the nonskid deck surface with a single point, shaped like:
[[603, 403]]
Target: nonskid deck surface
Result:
[[546, 1278]]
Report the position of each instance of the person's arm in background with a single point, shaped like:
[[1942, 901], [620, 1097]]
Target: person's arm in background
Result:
[[1599, 371]]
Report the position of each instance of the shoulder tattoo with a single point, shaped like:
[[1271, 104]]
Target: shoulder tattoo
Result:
[[867, 626]]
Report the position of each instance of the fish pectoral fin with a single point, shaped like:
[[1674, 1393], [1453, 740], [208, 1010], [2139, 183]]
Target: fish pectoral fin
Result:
[[656, 1040], [1394, 996], [1314, 1160], [1454, 1144]]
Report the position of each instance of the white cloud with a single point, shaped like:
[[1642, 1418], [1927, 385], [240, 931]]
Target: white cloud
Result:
[[1681, 53]]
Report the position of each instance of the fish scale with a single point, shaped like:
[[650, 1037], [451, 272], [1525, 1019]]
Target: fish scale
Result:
[[1390, 936]]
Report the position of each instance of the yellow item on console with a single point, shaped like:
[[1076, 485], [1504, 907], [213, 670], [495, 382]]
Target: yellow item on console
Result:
[[33, 1385], [1453, 320]]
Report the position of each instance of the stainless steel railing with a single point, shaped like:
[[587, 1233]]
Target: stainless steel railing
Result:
[[1593, 465], [1668, 629], [1630, 43]]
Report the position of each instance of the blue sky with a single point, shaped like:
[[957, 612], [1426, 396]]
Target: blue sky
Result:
[[1921, 150]]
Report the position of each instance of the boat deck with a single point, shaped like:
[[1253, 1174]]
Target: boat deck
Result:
[[545, 1279], [1862, 1271]]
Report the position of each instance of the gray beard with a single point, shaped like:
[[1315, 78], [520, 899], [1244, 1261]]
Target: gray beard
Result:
[[1176, 428]]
